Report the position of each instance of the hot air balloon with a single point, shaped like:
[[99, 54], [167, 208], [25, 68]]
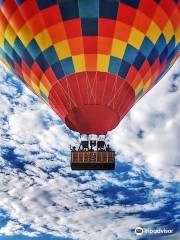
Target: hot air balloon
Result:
[[90, 60]]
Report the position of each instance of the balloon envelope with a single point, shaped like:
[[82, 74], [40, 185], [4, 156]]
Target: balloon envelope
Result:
[[90, 60]]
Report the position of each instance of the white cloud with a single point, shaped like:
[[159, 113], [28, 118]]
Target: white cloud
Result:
[[71, 204], [10, 228], [58, 204], [158, 115]]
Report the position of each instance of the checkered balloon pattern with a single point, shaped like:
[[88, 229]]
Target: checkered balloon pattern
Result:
[[75, 53]]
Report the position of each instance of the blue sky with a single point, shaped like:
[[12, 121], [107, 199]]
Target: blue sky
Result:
[[41, 198]]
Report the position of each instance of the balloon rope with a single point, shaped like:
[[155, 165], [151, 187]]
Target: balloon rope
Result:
[[104, 89], [91, 86], [69, 99], [70, 93], [79, 89], [114, 89], [124, 98], [117, 92], [87, 87]]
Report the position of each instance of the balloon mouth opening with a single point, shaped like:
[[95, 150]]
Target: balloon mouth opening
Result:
[[92, 119]]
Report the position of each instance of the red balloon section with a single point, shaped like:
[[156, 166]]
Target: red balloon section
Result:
[[90, 60]]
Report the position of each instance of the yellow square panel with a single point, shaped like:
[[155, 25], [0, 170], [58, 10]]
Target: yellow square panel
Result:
[[139, 88], [43, 89], [118, 48], [25, 35], [79, 63], [1, 41], [168, 31], [103, 63], [5, 63], [136, 38], [153, 32], [27, 78], [45, 82], [62, 49], [10, 35], [43, 39], [35, 87], [147, 85], [177, 35]]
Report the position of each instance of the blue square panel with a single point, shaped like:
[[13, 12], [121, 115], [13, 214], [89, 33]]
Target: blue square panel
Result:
[[139, 60], [34, 49], [114, 65], [8, 48], [131, 3], [171, 45], [1, 2], [108, 9], [42, 62], [89, 8], [130, 54], [124, 68], [19, 2], [2, 53], [58, 71], [19, 47], [139, 94], [42, 4], [89, 26], [27, 58], [67, 65], [9, 60], [146, 47], [51, 56], [44, 96], [69, 9], [16, 58], [163, 55], [153, 56], [160, 44]]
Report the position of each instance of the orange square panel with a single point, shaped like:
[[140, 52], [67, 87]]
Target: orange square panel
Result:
[[141, 21], [160, 17], [91, 62], [76, 45], [122, 31], [17, 21], [104, 45], [57, 32], [51, 76], [36, 24], [26, 69], [175, 18], [37, 70], [45, 82]]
